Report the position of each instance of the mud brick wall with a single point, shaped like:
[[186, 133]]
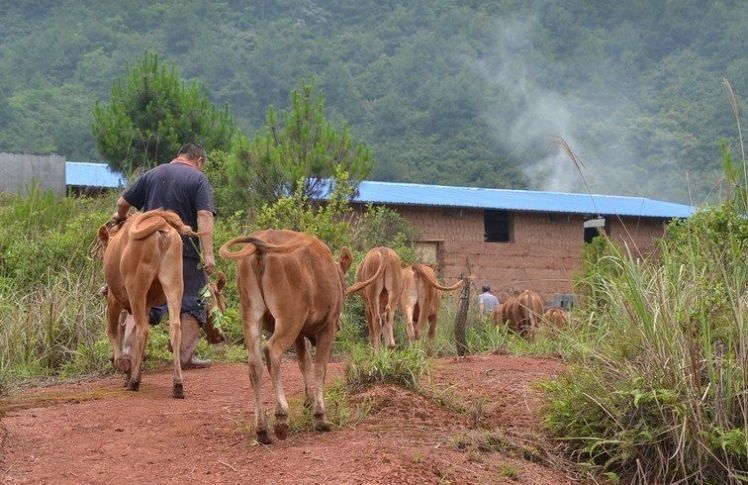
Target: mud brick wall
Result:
[[542, 254]]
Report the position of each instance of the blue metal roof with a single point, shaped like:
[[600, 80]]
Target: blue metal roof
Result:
[[395, 193], [89, 174]]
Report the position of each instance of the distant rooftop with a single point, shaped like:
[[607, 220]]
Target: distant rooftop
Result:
[[396, 193], [90, 174]]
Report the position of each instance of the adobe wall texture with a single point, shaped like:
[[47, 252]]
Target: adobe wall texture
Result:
[[543, 253], [17, 171]]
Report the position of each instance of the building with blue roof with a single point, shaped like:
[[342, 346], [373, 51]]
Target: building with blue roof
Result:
[[511, 239], [90, 175]]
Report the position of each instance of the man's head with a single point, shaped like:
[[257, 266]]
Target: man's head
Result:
[[193, 152], [486, 288]]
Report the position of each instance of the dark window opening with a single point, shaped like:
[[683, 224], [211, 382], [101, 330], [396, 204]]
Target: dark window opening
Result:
[[593, 228], [590, 233], [497, 226]]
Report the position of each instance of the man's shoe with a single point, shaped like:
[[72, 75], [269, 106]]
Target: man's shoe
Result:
[[197, 363]]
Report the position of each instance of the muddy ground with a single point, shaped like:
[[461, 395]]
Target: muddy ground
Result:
[[476, 422]]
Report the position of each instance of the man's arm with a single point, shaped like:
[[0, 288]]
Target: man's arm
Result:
[[205, 228], [123, 207]]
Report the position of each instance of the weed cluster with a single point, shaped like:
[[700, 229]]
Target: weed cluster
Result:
[[402, 367]]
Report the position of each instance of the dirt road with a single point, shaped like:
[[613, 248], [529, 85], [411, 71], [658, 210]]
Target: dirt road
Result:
[[474, 424]]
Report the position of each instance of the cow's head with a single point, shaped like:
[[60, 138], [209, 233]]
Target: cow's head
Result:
[[105, 234]]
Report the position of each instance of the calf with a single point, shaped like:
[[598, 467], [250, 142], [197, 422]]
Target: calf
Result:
[[143, 267], [289, 285], [556, 317], [381, 297], [420, 299], [521, 312]]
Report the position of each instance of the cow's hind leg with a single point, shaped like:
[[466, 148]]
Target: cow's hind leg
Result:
[[321, 357], [114, 332], [304, 356], [389, 319], [408, 306], [252, 321], [276, 345], [140, 314], [432, 333]]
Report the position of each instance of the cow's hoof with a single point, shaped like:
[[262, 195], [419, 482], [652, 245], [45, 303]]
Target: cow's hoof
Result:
[[178, 391], [133, 386], [264, 438], [281, 430], [322, 426], [123, 364]]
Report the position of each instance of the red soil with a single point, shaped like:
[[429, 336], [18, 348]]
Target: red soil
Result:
[[97, 432]]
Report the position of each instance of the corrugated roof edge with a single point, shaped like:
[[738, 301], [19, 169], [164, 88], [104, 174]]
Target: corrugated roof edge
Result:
[[404, 193]]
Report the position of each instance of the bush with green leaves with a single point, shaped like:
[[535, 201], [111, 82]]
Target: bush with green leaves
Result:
[[328, 221], [657, 389]]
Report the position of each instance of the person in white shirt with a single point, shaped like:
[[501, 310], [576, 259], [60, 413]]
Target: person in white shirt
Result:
[[487, 301]]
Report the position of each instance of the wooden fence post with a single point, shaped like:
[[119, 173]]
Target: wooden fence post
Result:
[[462, 314]]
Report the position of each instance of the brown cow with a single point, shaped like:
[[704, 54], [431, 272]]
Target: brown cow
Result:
[[289, 285], [522, 312], [556, 317], [381, 298], [420, 299], [143, 267]]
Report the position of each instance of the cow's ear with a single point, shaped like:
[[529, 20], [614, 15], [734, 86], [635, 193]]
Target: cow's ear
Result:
[[346, 259], [220, 280], [103, 234]]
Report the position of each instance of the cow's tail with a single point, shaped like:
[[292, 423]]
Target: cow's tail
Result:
[[363, 284], [418, 270], [157, 220], [256, 245]]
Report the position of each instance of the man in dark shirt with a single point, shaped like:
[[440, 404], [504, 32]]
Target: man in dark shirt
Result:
[[181, 186]]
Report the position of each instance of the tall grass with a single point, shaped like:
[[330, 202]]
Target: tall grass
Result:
[[55, 328], [659, 392]]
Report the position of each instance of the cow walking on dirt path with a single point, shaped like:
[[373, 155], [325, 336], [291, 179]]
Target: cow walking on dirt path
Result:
[[143, 267], [382, 297], [290, 286], [420, 300]]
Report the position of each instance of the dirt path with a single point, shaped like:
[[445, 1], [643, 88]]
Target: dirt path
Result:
[[98, 433]]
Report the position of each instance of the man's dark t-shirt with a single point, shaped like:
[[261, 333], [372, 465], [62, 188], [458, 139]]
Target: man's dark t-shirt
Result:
[[177, 187], [184, 190]]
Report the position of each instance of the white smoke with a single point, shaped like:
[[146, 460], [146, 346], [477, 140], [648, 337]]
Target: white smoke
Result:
[[520, 73]]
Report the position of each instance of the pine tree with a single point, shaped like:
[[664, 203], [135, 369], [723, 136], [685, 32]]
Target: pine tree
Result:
[[153, 114], [301, 148]]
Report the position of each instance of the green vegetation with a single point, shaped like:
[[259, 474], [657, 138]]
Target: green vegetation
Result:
[[657, 387], [402, 367], [299, 153], [437, 89], [151, 116]]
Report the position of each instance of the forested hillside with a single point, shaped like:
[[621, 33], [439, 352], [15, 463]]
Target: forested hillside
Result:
[[449, 92]]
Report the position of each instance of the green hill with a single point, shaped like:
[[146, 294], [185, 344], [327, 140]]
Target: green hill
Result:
[[449, 92]]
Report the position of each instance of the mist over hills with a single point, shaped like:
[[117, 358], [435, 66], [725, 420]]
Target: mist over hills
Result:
[[446, 92]]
